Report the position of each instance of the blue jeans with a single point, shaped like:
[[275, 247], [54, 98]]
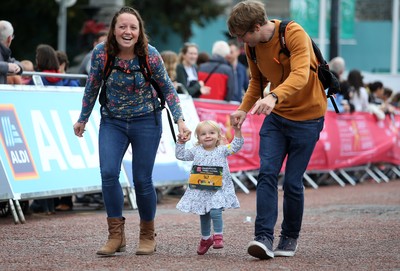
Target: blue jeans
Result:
[[205, 222], [280, 137], [115, 135]]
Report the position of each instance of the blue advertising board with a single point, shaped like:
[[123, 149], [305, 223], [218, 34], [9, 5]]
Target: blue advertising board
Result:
[[41, 156]]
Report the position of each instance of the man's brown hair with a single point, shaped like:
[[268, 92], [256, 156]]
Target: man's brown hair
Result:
[[245, 15]]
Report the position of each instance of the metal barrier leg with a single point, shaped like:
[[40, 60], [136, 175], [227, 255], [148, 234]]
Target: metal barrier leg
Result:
[[381, 174], [310, 180], [372, 174], [19, 211], [13, 212], [347, 177], [395, 170], [240, 184], [251, 178], [337, 178]]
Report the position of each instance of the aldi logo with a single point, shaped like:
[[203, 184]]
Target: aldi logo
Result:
[[14, 144]]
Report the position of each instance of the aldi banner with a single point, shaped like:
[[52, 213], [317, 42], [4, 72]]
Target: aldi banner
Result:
[[40, 154]]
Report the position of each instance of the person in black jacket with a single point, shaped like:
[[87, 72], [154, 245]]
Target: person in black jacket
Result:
[[8, 65], [186, 71]]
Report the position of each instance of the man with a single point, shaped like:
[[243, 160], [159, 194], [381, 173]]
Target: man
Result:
[[84, 68], [239, 69], [218, 74], [337, 65], [294, 109], [8, 65]]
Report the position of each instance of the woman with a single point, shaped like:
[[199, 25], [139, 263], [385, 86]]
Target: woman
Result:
[[135, 120], [357, 92], [170, 59], [186, 71], [47, 61]]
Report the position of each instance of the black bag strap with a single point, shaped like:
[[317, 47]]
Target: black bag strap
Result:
[[253, 56], [317, 52], [211, 72], [109, 62], [147, 73], [285, 50], [282, 40]]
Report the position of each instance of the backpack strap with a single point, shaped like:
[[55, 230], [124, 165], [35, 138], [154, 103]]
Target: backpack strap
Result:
[[211, 72], [285, 50], [317, 52], [109, 62], [147, 73], [282, 41], [253, 56]]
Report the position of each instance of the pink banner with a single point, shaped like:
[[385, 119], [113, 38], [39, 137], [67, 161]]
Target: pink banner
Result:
[[347, 140], [247, 157]]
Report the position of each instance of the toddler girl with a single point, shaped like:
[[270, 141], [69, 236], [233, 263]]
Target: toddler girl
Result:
[[210, 187]]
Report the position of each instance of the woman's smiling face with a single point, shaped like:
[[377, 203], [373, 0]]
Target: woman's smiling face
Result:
[[126, 31]]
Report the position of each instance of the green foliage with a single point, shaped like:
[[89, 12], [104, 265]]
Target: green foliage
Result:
[[35, 22], [177, 15]]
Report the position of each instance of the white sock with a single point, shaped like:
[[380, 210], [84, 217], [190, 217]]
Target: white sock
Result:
[[206, 237]]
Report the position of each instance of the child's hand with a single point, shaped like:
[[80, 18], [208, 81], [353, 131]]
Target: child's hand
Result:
[[180, 140], [236, 127]]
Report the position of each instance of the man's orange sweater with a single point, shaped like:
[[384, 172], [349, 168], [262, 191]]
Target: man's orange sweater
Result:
[[300, 93]]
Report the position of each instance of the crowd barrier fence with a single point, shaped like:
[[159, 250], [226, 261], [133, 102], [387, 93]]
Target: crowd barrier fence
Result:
[[41, 157]]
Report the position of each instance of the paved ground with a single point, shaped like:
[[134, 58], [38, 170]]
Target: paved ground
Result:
[[344, 228]]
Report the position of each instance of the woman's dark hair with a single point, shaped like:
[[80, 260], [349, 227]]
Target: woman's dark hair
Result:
[[141, 45], [63, 58], [375, 86], [46, 58], [355, 80]]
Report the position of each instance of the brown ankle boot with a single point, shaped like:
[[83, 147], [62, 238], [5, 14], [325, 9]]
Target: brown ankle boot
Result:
[[116, 239], [147, 243]]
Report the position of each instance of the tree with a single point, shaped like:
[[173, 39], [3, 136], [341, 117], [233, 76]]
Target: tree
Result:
[[35, 22], [177, 15]]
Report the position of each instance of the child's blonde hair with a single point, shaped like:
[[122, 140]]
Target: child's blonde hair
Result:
[[214, 125]]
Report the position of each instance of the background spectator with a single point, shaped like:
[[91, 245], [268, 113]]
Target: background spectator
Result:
[[239, 69], [202, 58], [338, 65], [64, 65], [84, 68], [218, 74], [47, 61], [186, 71], [376, 92], [357, 92], [170, 59], [27, 66], [8, 65]]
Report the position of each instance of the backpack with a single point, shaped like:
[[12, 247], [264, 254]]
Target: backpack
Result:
[[147, 73], [327, 78]]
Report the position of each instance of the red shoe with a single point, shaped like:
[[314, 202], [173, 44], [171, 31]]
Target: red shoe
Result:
[[218, 241], [205, 245]]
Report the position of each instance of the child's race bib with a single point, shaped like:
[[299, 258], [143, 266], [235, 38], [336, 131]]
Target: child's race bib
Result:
[[205, 177]]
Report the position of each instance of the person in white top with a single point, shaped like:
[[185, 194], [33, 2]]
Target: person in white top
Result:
[[357, 92]]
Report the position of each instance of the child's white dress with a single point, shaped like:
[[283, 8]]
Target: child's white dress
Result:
[[202, 201]]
